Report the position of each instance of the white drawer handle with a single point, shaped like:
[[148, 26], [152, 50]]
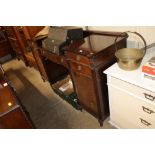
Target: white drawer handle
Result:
[[147, 110], [145, 122], [149, 97]]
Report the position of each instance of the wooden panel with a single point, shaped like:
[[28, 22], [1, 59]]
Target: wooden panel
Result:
[[85, 92], [15, 119], [55, 71], [82, 69], [7, 100], [79, 58], [5, 47], [11, 112], [55, 58], [33, 30]]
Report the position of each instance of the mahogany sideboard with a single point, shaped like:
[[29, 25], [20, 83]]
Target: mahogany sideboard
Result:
[[84, 61]]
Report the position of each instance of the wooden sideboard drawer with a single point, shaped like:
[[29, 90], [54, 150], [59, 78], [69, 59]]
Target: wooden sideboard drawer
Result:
[[78, 58], [80, 68], [135, 90], [55, 58], [127, 111]]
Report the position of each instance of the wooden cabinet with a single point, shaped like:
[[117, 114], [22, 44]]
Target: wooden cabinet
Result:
[[12, 114], [82, 76], [132, 98], [85, 60]]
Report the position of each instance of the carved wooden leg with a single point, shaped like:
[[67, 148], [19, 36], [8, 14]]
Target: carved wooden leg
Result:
[[101, 122]]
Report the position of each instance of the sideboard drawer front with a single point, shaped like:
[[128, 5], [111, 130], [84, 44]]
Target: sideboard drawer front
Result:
[[133, 89], [80, 68], [78, 58], [55, 58]]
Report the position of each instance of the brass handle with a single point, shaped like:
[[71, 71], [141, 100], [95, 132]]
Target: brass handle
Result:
[[145, 122], [149, 97], [79, 68], [125, 33], [147, 110]]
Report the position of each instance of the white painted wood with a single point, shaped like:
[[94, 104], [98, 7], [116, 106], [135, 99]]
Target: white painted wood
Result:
[[126, 110], [134, 77], [134, 90]]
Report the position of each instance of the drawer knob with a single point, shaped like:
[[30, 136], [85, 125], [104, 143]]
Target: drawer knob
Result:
[[145, 122], [149, 97], [79, 68], [147, 110]]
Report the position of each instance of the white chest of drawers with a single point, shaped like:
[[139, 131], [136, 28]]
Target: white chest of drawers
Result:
[[131, 97]]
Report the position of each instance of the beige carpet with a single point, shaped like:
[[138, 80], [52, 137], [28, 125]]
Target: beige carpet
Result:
[[47, 110]]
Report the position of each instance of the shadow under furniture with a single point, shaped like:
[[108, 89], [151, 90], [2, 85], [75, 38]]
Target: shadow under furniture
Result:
[[80, 70]]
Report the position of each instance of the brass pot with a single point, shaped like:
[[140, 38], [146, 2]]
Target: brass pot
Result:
[[130, 58]]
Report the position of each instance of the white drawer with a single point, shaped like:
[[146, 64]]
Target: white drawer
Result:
[[126, 111], [135, 90]]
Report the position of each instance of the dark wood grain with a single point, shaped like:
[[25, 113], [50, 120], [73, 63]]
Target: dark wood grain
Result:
[[12, 112]]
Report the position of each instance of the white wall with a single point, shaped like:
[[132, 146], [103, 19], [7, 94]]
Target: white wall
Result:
[[148, 32]]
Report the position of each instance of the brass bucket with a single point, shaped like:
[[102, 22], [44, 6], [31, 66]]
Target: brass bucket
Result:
[[130, 58]]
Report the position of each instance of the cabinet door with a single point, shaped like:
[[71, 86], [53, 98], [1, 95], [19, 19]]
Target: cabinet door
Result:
[[85, 90]]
